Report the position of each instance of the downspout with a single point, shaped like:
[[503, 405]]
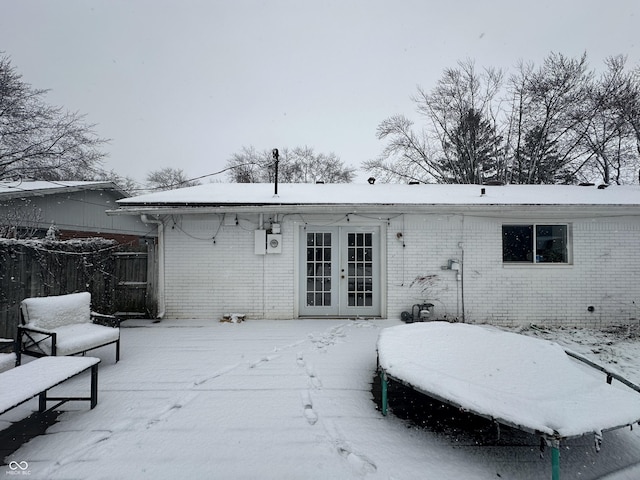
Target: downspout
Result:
[[152, 221]]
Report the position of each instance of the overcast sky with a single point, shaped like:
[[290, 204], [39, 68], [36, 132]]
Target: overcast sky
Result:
[[188, 83]]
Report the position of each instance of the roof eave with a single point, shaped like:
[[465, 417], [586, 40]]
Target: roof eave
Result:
[[41, 192], [501, 210]]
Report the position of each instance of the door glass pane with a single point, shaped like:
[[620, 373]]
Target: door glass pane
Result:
[[318, 269], [360, 270], [352, 299]]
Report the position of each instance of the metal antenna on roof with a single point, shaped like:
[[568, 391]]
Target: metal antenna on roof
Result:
[[276, 155]]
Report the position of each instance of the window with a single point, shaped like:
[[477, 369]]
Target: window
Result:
[[535, 244]]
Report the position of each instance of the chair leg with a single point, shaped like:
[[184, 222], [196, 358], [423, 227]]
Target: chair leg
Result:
[[18, 349], [42, 401], [94, 385]]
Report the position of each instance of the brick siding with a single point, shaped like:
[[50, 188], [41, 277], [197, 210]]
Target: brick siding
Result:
[[206, 279]]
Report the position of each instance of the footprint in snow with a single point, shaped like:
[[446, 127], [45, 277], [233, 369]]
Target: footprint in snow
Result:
[[266, 358], [300, 360], [169, 410], [215, 374], [359, 463], [313, 378], [307, 405]]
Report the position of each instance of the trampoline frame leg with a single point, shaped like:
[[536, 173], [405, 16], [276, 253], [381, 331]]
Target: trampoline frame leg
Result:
[[555, 459], [384, 387]]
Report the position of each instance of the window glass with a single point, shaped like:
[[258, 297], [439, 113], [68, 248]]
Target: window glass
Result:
[[551, 244], [517, 243], [535, 243]]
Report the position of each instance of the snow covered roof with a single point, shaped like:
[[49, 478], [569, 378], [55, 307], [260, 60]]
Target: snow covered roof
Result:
[[389, 195], [22, 189]]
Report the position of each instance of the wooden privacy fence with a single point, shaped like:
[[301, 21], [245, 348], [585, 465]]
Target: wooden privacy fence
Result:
[[134, 281], [115, 275]]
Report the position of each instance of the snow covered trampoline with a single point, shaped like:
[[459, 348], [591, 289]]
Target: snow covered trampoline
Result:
[[522, 382]]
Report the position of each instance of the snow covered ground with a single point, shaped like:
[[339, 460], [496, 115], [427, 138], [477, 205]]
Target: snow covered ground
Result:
[[287, 400]]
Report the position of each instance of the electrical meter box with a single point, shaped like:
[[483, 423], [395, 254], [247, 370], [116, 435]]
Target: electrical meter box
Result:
[[274, 243]]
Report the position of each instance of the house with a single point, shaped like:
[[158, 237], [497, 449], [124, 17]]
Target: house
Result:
[[76, 209], [509, 254]]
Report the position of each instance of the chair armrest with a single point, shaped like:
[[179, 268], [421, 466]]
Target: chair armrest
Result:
[[105, 320], [31, 343], [44, 331]]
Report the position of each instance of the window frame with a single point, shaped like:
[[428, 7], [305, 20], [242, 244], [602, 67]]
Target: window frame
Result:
[[534, 234]]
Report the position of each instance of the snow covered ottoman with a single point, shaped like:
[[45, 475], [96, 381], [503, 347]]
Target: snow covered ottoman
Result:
[[63, 325]]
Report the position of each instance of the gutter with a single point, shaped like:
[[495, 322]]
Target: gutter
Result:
[[480, 210], [161, 297]]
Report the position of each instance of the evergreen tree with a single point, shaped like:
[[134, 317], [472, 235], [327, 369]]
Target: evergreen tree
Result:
[[471, 150]]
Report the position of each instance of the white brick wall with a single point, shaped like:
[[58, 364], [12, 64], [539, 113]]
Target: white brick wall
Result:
[[603, 273], [418, 246], [206, 279]]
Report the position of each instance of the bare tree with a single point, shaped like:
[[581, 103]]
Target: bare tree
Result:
[[19, 218], [630, 104], [299, 165], [548, 113], [40, 141], [169, 179], [248, 165], [555, 123], [407, 156], [609, 129], [460, 141], [126, 183]]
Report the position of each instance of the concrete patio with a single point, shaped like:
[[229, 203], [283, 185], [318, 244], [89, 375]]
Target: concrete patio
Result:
[[267, 399]]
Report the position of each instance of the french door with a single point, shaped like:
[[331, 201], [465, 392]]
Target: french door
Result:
[[340, 271]]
